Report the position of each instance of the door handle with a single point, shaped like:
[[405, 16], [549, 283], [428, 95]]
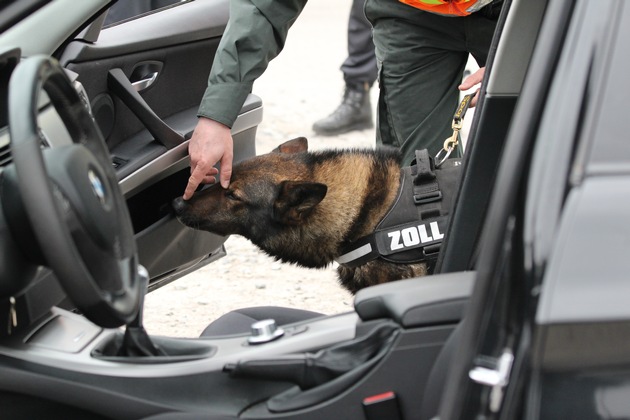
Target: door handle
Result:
[[120, 86], [142, 84]]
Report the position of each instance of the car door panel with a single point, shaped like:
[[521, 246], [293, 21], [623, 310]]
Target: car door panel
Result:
[[144, 79]]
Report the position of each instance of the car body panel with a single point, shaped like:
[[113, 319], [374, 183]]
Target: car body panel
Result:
[[54, 22], [552, 299]]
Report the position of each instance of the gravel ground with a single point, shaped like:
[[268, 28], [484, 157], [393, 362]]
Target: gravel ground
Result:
[[301, 85]]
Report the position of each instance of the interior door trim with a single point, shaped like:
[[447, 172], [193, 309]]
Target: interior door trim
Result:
[[176, 158]]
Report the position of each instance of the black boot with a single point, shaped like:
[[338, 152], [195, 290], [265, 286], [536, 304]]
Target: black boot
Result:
[[354, 113]]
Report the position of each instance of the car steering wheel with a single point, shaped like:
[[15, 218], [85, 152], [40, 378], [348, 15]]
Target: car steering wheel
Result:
[[71, 196]]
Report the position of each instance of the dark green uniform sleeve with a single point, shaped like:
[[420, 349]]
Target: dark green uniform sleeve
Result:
[[255, 34]]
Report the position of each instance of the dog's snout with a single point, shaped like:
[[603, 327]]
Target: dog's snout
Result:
[[179, 205]]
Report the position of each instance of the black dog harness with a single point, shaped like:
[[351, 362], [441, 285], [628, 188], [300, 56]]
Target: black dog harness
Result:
[[414, 227]]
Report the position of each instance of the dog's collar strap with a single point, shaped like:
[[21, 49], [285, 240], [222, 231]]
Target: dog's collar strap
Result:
[[414, 227]]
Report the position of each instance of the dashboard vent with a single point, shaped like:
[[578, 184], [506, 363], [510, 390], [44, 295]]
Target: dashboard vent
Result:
[[5, 150], [5, 147]]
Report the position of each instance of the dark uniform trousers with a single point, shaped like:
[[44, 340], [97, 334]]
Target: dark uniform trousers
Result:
[[360, 65], [421, 58]]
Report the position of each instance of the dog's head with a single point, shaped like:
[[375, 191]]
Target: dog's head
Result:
[[266, 192]]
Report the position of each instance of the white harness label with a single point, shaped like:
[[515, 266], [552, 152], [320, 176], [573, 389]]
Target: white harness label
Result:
[[413, 236], [404, 237]]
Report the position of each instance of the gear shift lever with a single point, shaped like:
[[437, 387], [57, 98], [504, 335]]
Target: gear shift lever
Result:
[[136, 341]]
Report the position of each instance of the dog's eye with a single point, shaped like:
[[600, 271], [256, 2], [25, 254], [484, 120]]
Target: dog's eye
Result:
[[231, 196]]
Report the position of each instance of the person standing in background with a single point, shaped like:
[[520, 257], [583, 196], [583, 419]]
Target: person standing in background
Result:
[[422, 47], [359, 74]]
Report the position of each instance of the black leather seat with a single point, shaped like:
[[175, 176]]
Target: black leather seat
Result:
[[240, 320]]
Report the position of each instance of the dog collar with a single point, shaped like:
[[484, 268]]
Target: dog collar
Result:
[[414, 227]]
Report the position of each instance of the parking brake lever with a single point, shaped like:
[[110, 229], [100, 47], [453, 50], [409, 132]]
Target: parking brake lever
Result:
[[309, 370], [136, 341]]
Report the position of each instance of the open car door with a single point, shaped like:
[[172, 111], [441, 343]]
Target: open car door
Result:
[[144, 77]]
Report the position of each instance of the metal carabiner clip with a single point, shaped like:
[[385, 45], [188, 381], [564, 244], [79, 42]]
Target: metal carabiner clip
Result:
[[452, 142], [449, 146]]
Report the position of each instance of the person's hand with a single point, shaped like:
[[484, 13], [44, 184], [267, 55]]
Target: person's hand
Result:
[[470, 82], [210, 143]]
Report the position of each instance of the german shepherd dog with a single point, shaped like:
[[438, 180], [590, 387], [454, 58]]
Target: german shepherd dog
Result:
[[304, 207]]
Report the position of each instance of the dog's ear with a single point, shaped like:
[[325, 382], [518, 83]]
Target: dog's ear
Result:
[[296, 200], [296, 145]]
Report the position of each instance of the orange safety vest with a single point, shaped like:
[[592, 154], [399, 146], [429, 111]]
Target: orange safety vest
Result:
[[448, 7]]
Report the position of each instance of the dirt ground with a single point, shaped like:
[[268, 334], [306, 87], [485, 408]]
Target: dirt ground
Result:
[[300, 86]]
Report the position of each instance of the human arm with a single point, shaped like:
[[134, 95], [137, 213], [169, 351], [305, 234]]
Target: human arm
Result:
[[474, 79], [255, 34]]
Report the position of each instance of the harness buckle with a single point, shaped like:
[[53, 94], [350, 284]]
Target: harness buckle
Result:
[[428, 197]]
